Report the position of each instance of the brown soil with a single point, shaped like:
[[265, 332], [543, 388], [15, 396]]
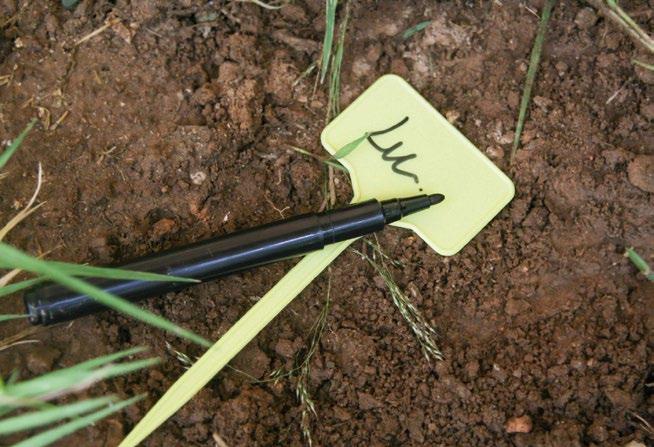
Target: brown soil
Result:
[[540, 314]]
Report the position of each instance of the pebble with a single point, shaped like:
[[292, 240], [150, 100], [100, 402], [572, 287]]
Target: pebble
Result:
[[597, 431], [285, 348], [647, 110], [162, 227], [520, 424], [644, 74], [367, 401], [641, 172], [586, 18], [495, 152], [198, 177], [40, 359]]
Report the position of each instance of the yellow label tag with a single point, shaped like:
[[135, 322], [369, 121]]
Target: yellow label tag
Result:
[[412, 149]]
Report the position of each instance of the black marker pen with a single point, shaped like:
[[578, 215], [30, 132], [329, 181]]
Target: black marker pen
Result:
[[52, 303]]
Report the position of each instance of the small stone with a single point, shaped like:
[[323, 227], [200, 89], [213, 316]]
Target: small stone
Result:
[[520, 424], [495, 152], [115, 431], [198, 177], [561, 67], [40, 359], [472, 369], [634, 444], [367, 401], [162, 227], [597, 431], [644, 74], [342, 414], [641, 172], [619, 398], [285, 348], [253, 361], [542, 102], [586, 18], [647, 110], [452, 116]]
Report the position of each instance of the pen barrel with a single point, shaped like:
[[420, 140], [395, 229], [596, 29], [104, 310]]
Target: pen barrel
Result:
[[210, 259]]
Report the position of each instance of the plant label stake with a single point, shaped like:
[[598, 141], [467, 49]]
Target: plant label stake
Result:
[[410, 149]]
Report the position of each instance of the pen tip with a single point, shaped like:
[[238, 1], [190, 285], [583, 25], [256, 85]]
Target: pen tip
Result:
[[436, 198]]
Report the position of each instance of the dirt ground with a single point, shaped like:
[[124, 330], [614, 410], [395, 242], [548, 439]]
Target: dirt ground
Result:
[[178, 125]]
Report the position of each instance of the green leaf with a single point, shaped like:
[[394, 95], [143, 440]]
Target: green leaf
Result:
[[349, 147], [103, 360], [640, 263], [330, 22], [415, 29], [534, 61], [54, 434], [116, 273], [11, 317], [645, 65], [13, 288], [71, 379], [18, 259], [6, 155], [35, 419]]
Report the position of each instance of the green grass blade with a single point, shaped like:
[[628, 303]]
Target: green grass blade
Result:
[[328, 162], [47, 385], [643, 64], [113, 273], [18, 259], [11, 317], [349, 147], [334, 102], [105, 359], [7, 153], [640, 263], [415, 29], [36, 419], [534, 61], [16, 287], [54, 434], [330, 22]]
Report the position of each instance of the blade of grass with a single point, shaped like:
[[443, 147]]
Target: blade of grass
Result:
[[13, 392], [103, 360], [330, 22], [13, 288], [630, 24], [49, 386], [643, 64], [415, 29], [115, 273], [640, 263], [7, 153], [334, 104], [534, 61], [36, 419], [8, 317], [52, 435], [326, 161], [349, 147], [18, 259]]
